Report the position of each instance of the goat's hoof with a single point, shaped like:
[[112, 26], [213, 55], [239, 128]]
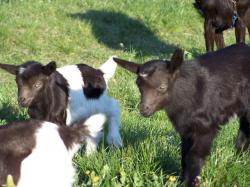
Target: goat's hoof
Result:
[[196, 182], [115, 140]]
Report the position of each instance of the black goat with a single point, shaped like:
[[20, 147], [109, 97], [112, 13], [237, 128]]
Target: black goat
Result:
[[223, 14], [198, 97]]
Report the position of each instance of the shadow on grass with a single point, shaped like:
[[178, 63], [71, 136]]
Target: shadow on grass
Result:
[[8, 113], [118, 31]]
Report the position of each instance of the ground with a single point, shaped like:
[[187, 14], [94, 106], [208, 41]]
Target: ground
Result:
[[88, 31]]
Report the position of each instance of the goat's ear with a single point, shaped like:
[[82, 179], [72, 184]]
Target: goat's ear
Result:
[[130, 66], [12, 69], [49, 68], [176, 60]]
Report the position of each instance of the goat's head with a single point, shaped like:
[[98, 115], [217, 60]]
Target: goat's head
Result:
[[31, 78], [154, 80]]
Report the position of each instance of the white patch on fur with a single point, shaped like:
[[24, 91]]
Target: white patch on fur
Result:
[[21, 70], [79, 107], [143, 75], [95, 125], [50, 163], [108, 68]]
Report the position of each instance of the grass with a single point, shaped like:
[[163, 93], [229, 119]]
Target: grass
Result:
[[75, 31]]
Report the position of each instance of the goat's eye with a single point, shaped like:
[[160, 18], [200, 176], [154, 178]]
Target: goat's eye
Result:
[[38, 84]]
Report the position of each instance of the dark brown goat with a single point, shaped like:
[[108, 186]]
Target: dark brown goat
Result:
[[223, 14], [198, 96]]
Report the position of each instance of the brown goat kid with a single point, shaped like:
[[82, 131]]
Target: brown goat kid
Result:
[[198, 96], [220, 15]]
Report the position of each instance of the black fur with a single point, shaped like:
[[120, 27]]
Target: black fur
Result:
[[198, 97], [94, 83]]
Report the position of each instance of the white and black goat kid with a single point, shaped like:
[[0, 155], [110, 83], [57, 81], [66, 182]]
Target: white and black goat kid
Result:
[[39, 153], [68, 94]]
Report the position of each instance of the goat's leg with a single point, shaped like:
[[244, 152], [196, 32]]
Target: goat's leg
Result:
[[114, 137], [242, 142], [209, 35], [186, 145], [95, 127], [247, 20], [219, 39], [248, 28], [240, 31], [198, 149], [92, 142]]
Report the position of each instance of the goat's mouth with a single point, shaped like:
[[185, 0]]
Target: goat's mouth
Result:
[[146, 113], [25, 103]]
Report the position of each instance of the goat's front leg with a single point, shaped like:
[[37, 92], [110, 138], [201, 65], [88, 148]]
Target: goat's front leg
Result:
[[114, 137], [186, 144], [209, 34], [242, 142], [240, 31], [194, 152]]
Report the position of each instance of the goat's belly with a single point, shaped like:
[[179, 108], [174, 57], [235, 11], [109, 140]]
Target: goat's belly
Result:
[[83, 109], [49, 164]]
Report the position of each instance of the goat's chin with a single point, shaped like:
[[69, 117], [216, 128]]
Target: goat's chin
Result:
[[146, 114], [24, 104]]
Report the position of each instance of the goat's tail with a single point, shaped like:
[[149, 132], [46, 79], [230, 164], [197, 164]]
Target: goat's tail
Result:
[[108, 68]]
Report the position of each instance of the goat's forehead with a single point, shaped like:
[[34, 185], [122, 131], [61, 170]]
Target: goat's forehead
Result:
[[30, 71], [153, 70], [21, 70], [150, 65]]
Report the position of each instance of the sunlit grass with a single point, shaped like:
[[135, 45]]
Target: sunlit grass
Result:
[[75, 31]]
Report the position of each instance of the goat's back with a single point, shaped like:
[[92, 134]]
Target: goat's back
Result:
[[212, 88]]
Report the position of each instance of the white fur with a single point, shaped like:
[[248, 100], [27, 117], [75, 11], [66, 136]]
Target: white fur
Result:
[[21, 70], [108, 68], [50, 163], [95, 126], [80, 107], [143, 74]]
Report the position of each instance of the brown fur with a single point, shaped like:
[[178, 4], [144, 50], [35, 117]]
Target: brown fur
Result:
[[218, 16]]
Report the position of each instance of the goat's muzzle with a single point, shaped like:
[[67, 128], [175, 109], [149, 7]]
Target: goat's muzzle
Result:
[[23, 102]]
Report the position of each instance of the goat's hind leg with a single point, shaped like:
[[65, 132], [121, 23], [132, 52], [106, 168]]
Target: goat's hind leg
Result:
[[240, 31], [209, 35], [114, 120], [94, 126], [219, 40], [92, 142], [242, 142]]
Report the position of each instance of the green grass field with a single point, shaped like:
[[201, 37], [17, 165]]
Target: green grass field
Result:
[[88, 31]]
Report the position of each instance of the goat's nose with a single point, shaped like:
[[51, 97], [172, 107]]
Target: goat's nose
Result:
[[145, 107], [21, 99]]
